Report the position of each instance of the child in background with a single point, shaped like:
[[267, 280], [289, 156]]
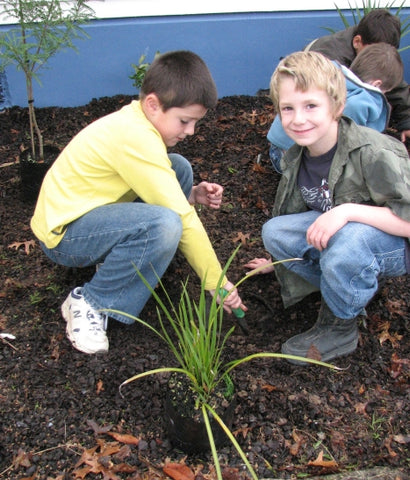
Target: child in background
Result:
[[376, 70], [378, 25], [342, 206], [115, 197]]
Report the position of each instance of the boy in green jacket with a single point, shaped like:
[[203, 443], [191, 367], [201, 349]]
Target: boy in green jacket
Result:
[[87, 213], [342, 206]]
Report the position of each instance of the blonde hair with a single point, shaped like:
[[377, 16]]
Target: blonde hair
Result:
[[310, 70]]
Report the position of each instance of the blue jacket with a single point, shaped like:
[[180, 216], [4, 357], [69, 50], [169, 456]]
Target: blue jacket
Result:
[[365, 104]]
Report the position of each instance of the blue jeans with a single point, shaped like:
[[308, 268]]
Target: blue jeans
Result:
[[347, 271], [124, 236]]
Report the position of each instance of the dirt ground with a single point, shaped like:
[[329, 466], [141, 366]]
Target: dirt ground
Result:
[[61, 415]]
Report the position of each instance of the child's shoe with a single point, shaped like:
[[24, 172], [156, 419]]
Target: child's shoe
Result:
[[85, 326], [330, 337]]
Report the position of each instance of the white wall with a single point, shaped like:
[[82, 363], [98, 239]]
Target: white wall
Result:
[[144, 8]]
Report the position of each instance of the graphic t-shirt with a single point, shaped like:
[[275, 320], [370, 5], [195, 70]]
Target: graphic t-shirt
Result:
[[313, 180]]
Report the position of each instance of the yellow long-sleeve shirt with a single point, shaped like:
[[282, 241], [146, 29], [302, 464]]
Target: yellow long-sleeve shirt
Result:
[[116, 159]]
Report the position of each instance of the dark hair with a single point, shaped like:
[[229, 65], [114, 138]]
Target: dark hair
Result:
[[179, 79], [379, 61], [379, 25]]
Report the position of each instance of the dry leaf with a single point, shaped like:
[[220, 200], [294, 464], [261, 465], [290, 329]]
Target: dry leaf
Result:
[[396, 307], [23, 459], [393, 339], [97, 429], [295, 447], [387, 444], [242, 237], [100, 386], [361, 408], [124, 438], [403, 439], [178, 471], [244, 431], [27, 245], [319, 462], [269, 388]]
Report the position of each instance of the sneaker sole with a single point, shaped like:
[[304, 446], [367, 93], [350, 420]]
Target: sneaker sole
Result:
[[65, 312]]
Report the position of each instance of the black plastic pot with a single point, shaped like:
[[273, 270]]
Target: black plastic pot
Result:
[[185, 424], [32, 173]]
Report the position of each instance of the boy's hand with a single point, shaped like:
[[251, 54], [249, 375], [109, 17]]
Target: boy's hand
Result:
[[259, 266], [208, 194], [325, 226], [405, 135], [233, 300]]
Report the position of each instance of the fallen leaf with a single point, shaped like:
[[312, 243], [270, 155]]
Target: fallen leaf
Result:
[[319, 462], [403, 439], [97, 429], [269, 388], [396, 307], [100, 386], [178, 471], [124, 438], [22, 459], [242, 237], [123, 452], [393, 339], [298, 441], [27, 245], [387, 444], [244, 431], [361, 408]]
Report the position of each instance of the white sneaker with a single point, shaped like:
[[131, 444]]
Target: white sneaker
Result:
[[85, 326]]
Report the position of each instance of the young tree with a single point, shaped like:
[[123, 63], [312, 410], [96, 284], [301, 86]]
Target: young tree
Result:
[[44, 27]]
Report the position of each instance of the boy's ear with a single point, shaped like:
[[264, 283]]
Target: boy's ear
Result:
[[377, 83], [357, 43], [152, 104], [340, 111]]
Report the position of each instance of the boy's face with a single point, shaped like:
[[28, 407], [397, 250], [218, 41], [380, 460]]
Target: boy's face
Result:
[[308, 117], [177, 122]]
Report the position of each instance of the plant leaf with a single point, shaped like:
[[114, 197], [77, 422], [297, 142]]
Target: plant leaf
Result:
[[178, 471]]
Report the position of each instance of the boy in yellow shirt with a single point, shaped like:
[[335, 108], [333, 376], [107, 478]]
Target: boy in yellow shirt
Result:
[[87, 212]]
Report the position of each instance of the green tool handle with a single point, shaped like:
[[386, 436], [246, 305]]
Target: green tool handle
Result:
[[238, 312]]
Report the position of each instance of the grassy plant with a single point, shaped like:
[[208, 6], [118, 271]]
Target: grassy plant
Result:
[[198, 350], [369, 5], [376, 426], [36, 297], [44, 27], [140, 70]]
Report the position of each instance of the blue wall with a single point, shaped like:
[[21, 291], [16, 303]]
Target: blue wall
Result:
[[240, 49]]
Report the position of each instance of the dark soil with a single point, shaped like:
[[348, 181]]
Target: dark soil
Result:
[[60, 410]]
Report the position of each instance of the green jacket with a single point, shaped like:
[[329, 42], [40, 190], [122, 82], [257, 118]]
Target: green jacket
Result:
[[368, 168]]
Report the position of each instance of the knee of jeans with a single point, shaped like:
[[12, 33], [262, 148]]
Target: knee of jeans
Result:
[[171, 226], [269, 236]]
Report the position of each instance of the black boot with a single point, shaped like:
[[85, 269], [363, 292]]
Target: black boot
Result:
[[330, 337]]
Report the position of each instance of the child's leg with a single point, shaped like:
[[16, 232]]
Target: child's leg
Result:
[[349, 269], [356, 257], [125, 236], [285, 237], [183, 171]]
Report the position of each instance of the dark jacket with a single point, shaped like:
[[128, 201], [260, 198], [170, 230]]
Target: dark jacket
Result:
[[338, 46], [368, 168]]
